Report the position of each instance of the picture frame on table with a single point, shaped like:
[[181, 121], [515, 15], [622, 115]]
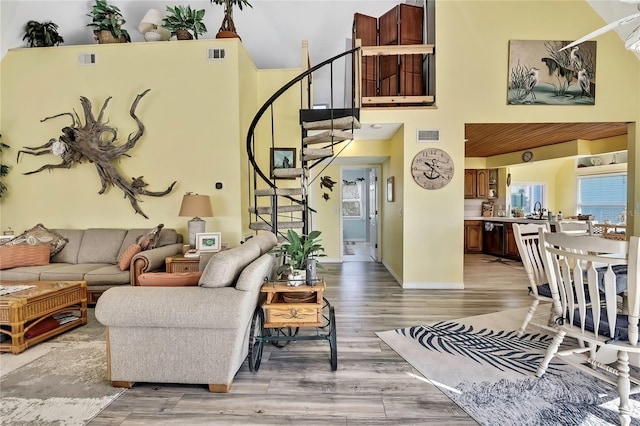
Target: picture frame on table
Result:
[[282, 158], [208, 241]]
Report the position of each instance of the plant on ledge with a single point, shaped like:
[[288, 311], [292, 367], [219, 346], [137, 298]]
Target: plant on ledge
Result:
[[184, 22], [298, 249], [42, 34], [228, 28], [108, 18]]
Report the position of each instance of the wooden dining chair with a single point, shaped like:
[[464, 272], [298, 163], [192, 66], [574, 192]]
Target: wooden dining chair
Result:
[[527, 240], [575, 227], [592, 316]]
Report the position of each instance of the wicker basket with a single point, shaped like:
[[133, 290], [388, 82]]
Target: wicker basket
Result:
[[618, 236], [305, 297]]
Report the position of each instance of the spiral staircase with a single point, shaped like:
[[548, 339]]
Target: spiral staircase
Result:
[[279, 201]]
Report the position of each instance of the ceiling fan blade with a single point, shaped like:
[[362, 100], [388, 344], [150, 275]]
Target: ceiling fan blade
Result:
[[606, 28]]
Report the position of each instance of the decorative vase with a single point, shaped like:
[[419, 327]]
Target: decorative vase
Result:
[[105, 36], [311, 273], [227, 34], [183, 34], [297, 277]]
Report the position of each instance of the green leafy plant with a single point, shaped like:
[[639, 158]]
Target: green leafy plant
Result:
[[42, 34], [227, 22], [107, 17], [298, 249], [185, 22], [4, 169]]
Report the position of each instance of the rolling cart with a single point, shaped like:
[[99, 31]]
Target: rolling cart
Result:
[[285, 311]]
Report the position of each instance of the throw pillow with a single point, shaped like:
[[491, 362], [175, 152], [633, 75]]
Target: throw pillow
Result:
[[13, 256], [166, 279], [125, 259], [41, 235], [149, 240]]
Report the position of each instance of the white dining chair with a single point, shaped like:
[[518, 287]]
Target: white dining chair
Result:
[[579, 227], [592, 316], [527, 240]]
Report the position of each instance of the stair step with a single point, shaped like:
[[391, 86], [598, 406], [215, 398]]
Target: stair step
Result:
[[314, 154], [290, 172], [336, 123], [281, 209], [278, 191], [328, 136], [264, 226]]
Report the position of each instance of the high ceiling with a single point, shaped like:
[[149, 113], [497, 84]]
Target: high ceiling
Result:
[[488, 139]]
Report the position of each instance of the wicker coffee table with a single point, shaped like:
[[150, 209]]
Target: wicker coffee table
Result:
[[26, 315]]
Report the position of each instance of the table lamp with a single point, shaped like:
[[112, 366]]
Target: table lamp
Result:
[[151, 27], [195, 205]]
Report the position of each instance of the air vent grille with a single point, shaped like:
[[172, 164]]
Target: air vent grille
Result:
[[87, 58], [215, 54], [428, 135]]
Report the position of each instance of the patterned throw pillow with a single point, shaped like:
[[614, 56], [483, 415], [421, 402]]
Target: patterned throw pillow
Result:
[[13, 256], [41, 235], [149, 240], [125, 259]]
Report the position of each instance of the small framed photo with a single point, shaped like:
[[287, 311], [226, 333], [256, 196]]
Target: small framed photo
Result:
[[208, 241], [390, 189], [282, 158]]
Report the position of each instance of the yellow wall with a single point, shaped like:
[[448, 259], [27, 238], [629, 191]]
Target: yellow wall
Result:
[[392, 212], [327, 220], [193, 129]]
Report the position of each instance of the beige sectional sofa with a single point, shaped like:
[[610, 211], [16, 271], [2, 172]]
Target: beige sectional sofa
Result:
[[92, 255], [192, 335]]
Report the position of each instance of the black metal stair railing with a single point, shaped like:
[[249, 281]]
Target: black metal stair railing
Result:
[[296, 215]]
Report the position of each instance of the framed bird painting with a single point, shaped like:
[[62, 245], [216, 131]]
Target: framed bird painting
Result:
[[551, 73]]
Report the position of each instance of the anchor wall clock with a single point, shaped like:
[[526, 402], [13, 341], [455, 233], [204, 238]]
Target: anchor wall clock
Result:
[[432, 168]]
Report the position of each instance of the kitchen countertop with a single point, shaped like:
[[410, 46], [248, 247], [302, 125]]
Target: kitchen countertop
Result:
[[506, 219]]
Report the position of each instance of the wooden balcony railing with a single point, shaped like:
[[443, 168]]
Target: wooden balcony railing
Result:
[[393, 75]]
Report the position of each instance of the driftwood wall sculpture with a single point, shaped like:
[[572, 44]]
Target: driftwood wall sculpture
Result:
[[95, 141]]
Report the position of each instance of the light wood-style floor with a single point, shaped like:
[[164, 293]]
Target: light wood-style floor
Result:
[[373, 385]]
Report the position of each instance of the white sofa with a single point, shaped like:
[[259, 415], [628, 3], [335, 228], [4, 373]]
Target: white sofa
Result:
[[195, 335]]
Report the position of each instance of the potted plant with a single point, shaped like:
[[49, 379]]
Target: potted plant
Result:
[[228, 28], [107, 23], [42, 34], [298, 250], [184, 22]]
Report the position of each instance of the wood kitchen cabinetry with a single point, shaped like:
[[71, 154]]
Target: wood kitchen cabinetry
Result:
[[511, 249], [473, 236], [476, 183]]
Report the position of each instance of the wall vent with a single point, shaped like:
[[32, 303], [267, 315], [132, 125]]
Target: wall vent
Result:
[[87, 58], [428, 135], [215, 54]]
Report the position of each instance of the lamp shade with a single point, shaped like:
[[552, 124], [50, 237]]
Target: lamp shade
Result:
[[195, 205], [151, 26]]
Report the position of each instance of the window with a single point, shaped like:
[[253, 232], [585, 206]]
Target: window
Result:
[[526, 195], [352, 202], [603, 196]]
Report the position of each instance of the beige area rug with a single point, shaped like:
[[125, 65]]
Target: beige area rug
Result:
[[58, 382], [482, 365]]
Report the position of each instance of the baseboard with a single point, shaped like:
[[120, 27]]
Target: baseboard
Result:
[[392, 272], [433, 286]]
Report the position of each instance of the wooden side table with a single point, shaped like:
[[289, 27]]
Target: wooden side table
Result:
[[179, 263]]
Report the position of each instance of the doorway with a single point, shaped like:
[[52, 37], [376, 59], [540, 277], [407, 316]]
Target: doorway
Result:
[[359, 213]]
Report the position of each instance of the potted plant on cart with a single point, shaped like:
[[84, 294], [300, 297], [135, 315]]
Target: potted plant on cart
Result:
[[228, 27], [184, 22], [42, 34], [107, 23], [298, 251]]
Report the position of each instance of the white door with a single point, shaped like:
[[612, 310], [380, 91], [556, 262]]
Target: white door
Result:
[[373, 213]]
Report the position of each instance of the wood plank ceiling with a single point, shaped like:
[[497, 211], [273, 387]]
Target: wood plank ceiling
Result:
[[488, 139]]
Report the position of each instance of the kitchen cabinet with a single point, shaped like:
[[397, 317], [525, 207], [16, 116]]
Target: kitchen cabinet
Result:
[[493, 184], [473, 236], [511, 248], [476, 183]]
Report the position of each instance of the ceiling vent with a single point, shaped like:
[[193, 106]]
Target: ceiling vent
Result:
[[215, 54], [428, 135], [87, 58]]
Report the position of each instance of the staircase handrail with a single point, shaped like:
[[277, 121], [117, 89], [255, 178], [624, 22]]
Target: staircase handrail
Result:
[[272, 99]]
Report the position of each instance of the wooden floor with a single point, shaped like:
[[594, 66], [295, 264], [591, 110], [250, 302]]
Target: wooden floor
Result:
[[373, 385]]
